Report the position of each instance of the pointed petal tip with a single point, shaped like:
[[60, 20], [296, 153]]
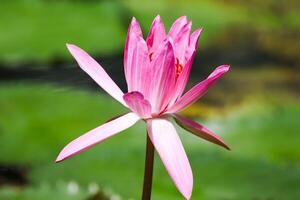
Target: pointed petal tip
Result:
[[73, 48], [64, 154], [199, 130], [183, 17], [187, 192], [188, 195], [96, 72], [134, 27], [70, 46], [67, 153], [60, 158], [225, 146], [224, 67], [188, 26], [199, 30], [219, 71], [133, 19], [180, 21], [196, 35], [158, 18], [97, 135], [134, 22]]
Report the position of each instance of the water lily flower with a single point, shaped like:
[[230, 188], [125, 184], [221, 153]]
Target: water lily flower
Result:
[[156, 71]]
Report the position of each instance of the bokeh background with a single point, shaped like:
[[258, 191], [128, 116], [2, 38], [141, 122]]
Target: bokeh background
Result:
[[46, 100]]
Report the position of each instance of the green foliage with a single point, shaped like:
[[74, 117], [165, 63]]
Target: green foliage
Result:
[[43, 191], [38, 30], [271, 129]]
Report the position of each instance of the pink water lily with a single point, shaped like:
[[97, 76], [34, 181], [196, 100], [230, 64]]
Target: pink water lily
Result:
[[156, 71]]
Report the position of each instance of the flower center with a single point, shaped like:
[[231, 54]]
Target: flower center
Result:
[[179, 67]]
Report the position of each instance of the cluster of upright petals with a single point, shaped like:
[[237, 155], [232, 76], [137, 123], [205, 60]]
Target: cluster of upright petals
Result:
[[159, 67], [156, 70]]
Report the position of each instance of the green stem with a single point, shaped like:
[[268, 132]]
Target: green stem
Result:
[[148, 173]]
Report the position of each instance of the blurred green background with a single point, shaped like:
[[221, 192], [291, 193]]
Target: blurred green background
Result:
[[46, 100]]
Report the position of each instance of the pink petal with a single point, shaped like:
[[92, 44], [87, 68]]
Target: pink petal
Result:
[[193, 44], [134, 27], [198, 90], [134, 32], [177, 26], [199, 130], [138, 64], [96, 72], [185, 74], [169, 147], [163, 77], [194, 38], [97, 135], [137, 103], [182, 81], [156, 34], [181, 42]]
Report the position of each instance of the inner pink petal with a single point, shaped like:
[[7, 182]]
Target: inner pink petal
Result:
[[136, 102]]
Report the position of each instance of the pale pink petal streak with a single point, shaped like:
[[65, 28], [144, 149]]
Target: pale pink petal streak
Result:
[[139, 65], [97, 135], [181, 42], [134, 32], [198, 90], [156, 35], [190, 54], [137, 103], [170, 149], [199, 130], [193, 44], [96, 72], [162, 77], [194, 38], [182, 80], [177, 26]]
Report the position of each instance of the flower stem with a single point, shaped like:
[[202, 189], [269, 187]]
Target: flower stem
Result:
[[148, 170]]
